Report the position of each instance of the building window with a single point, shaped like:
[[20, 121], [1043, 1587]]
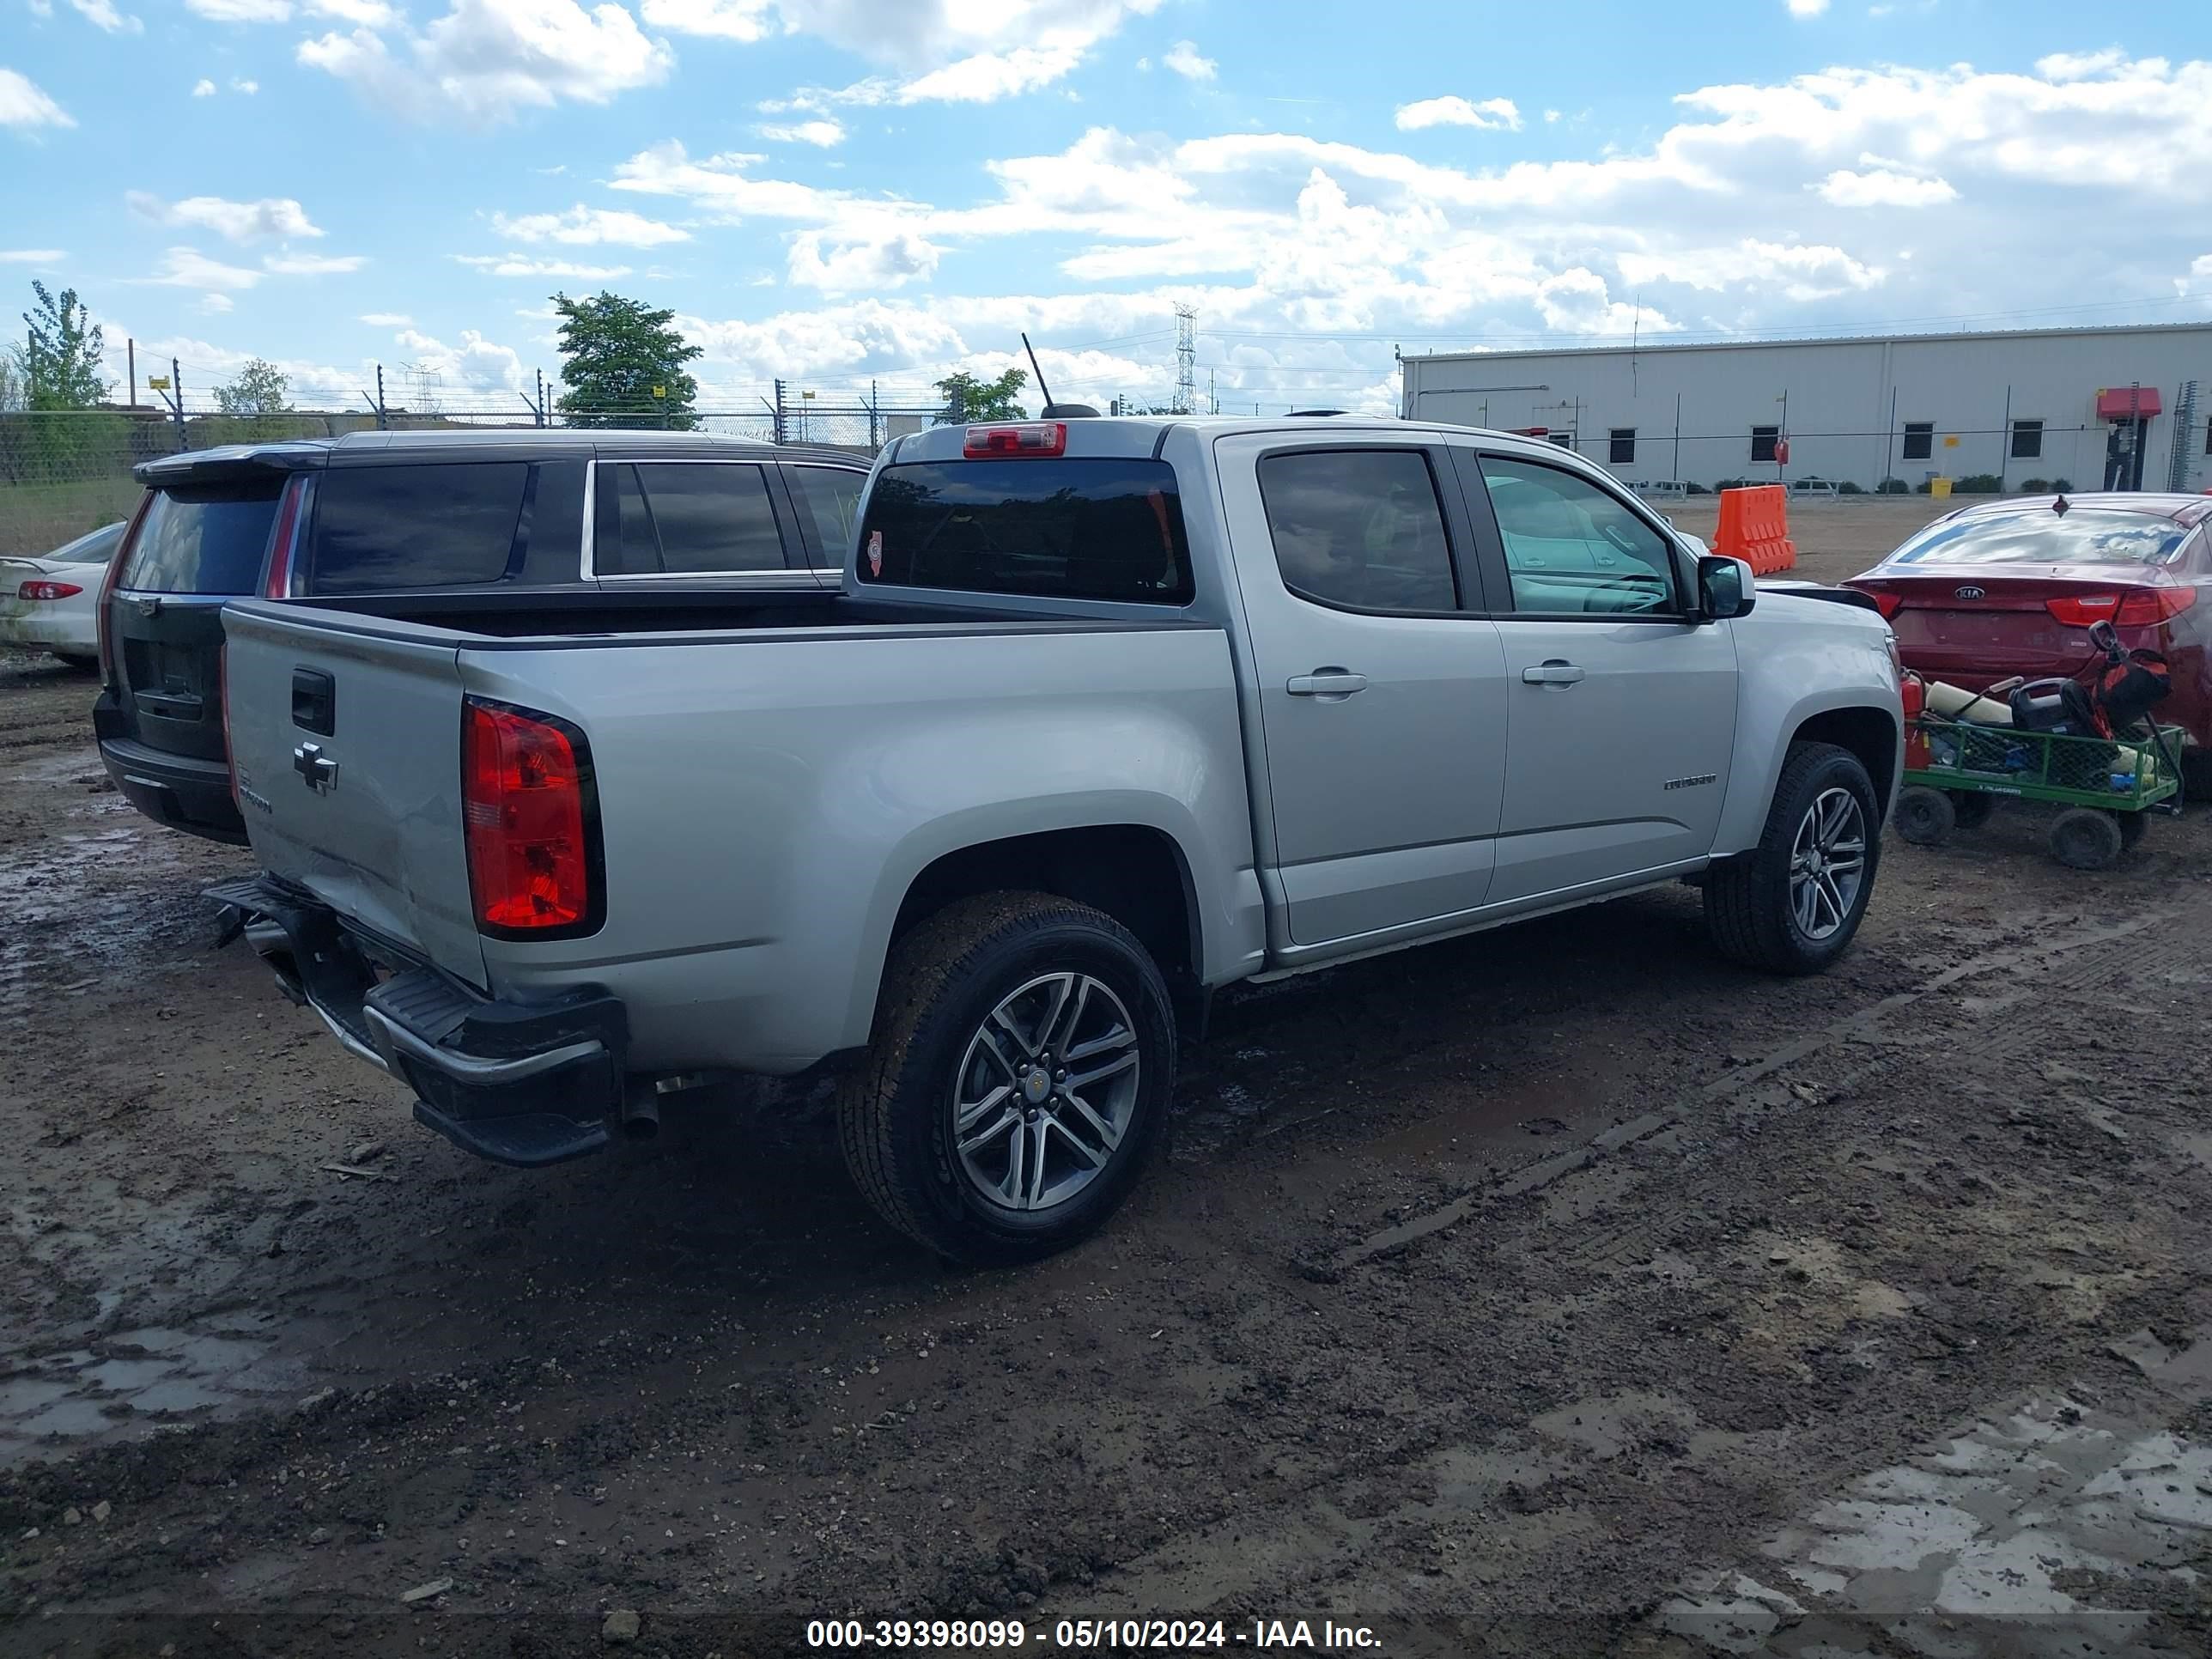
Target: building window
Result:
[[2027, 441], [1762, 442], [1919, 439], [1624, 445], [1564, 439]]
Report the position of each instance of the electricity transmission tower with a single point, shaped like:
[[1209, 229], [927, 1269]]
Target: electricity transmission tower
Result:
[[1186, 389]]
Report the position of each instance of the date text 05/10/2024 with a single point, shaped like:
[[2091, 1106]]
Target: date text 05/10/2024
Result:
[[1092, 1635]]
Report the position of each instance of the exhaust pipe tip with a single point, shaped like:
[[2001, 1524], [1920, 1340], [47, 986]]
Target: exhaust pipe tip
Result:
[[641, 1116]]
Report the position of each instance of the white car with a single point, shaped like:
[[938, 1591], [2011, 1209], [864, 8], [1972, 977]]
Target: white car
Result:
[[52, 604]]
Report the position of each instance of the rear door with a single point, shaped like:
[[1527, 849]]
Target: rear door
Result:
[[200, 544], [346, 735], [1381, 692], [1622, 717]]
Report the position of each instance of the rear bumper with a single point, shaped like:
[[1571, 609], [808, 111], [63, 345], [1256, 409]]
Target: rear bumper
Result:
[[524, 1085], [181, 792]]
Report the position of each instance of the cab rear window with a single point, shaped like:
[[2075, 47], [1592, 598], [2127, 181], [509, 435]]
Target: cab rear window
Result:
[[203, 538], [1088, 528]]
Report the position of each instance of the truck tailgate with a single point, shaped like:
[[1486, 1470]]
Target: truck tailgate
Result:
[[346, 735]]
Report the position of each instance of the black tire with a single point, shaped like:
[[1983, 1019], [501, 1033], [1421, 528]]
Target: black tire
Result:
[[1748, 908], [2132, 826], [1970, 808], [2196, 774], [82, 663], [942, 983], [2086, 838], [1925, 817]]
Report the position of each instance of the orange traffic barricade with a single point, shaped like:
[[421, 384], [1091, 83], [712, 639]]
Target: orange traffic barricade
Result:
[[1754, 527]]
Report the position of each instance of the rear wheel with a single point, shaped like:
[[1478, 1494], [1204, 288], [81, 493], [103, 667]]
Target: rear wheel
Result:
[[1018, 1080], [1793, 902], [78, 660], [2088, 838], [1925, 817]]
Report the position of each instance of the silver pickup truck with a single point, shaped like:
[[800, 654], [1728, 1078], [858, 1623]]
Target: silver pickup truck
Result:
[[1109, 715]]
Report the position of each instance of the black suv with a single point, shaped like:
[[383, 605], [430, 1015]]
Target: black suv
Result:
[[421, 521]]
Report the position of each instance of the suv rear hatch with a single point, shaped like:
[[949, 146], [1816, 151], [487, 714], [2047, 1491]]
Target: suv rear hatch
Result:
[[202, 538], [346, 737]]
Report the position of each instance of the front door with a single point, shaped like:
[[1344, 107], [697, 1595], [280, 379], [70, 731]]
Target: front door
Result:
[[1622, 711], [1382, 701]]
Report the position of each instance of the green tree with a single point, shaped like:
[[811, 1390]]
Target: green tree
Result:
[[622, 364], [11, 379], [967, 398], [62, 359], [261, 388]]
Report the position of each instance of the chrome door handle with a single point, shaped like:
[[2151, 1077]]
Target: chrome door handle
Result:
[[1551, 673], [1332, 683]]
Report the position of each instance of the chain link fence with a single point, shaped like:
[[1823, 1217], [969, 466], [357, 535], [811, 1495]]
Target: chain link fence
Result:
[[64, 472]]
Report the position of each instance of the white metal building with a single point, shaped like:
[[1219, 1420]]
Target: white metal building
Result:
[[2125, 408]]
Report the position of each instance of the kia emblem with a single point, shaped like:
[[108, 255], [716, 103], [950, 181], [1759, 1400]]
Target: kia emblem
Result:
[[1969, 592]]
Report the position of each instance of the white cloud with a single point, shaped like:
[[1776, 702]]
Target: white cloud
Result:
[[484, 59], [184, 267], [953, 51], [1808, 7], [823, 133], [836, 264], [1183, 58], [731, 19], [1494, 114], [241, 11], [203, 87], [234, 222], [313, 264], [366, 14], [102, 15], [518, 265], [387, 319], [247, 88], [32, 256], [24, 104], [584, 227], [2080, 66], [476, 365], [214, 305], [1884, 187]]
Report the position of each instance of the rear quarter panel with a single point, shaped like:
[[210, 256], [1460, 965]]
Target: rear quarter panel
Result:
[[765, 803]]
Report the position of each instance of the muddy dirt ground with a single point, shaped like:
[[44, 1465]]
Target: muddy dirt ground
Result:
[[1557, 1291]]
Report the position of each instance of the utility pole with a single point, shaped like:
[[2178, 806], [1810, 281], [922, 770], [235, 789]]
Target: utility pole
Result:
[[380, 421], [541, 397], [875, 434], [779, 412], [131, 352], [1212, 397], [1186, 386], [176, 400]]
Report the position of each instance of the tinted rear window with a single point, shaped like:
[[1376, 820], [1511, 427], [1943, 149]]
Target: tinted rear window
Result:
[[831, 497], [203, 538], [415, 526], [2087, 535], [1087, 529]]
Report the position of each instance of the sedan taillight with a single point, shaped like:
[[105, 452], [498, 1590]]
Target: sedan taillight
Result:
[[2144, 608], [48, 591]]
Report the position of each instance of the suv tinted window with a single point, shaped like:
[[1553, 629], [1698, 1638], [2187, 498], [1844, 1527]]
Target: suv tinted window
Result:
[[1095, 528], [1572, 549], [831, 497], [203, 538], [681, 518], [415, 526], [1358, 527]]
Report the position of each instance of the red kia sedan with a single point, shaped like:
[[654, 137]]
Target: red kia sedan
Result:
[[2011, 587]]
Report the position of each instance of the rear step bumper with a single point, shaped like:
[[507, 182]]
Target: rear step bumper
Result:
[[524, 1085]]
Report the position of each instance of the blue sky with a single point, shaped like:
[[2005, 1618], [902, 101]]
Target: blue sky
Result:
[[840, 191]]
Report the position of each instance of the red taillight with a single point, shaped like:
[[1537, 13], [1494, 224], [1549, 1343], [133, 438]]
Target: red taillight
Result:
[[48, 591], [2144, 608], [1028, 438], [1887, 604], [526, 800], [285, 539]]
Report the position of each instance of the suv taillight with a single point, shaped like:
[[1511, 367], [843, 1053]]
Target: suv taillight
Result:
[[285, 540], [531, 816], [101, 620]]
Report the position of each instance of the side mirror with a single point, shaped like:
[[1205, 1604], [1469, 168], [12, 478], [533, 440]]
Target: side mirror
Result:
[[1724, 588]]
